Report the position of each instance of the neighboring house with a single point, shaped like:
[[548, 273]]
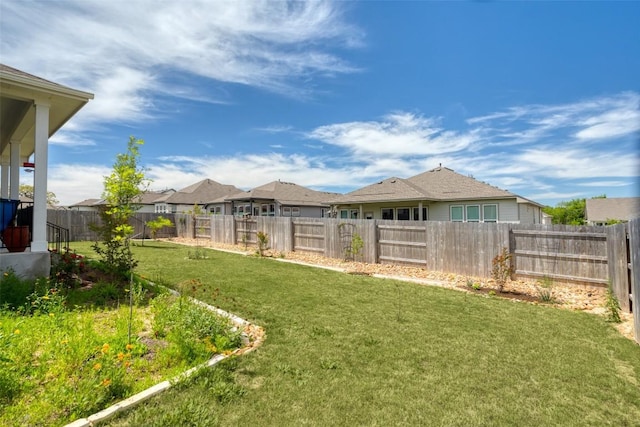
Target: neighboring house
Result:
[[32, 109], [148, 199], [200, 194], [439, 194], [606, 210], [87, 205], [279, 198]]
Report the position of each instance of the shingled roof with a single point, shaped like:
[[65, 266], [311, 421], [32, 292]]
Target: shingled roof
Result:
[[616, 208], [285, 193], [202, 192], [439, 184]]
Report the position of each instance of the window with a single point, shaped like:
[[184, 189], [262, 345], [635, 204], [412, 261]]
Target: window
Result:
[[256, 210], [387, 213], [490, 213], [368, 215], [354, 213], [473, 213], [403, 214], [457, 214], [286, 211], [416, 214], [272, 209], [264, 210], [295, 211], [344, 213]]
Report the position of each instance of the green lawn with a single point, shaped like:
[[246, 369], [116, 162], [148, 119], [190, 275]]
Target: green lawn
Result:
[[355, 350]]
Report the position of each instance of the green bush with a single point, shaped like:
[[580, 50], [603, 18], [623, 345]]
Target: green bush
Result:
[[14, 290]]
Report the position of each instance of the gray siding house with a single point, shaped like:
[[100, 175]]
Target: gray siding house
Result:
[[439, 194], [279, 198]]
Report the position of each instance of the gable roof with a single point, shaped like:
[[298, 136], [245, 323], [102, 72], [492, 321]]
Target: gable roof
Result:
[[438, 184], [621, 209], [285, 193], [202, 192], [87, 202]]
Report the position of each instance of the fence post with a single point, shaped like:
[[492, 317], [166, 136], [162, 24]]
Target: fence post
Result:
[[634, 257], [617, 262], [372, 241]]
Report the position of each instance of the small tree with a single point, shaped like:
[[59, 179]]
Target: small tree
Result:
[[502, 269], [122, 189], [157, 224]]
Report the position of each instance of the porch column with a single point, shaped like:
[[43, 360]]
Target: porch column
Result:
[[39, 237], [4, 181], [14, 170], [420, 218]]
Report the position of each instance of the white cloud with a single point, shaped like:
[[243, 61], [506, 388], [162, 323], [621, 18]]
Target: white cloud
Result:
[[397, 135], [128, 55]]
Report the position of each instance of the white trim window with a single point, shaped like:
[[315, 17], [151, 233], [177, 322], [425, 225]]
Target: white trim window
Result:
[[404, 214], [490, 213], [456, 213], [353, 213], [473, 213], [344, 213], [416, 213], [387, 213], [286, 211], [295, 211]]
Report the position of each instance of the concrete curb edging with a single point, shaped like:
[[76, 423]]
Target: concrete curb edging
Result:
[[252, 337]]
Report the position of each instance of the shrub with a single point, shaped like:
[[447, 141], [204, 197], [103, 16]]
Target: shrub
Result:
[[263, 242], [612, 306], [502, 268], [545, 289]]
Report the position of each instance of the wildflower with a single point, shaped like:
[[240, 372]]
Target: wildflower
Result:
[[17, 332], [127, 364], [106, 382], [120, 356], [97, 366], [105, 348], [129, 347], [65, 341], [46, 297], [51, 315]]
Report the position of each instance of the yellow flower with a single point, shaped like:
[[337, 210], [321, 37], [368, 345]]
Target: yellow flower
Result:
[[127, 364], [120, 356], [64, 342], [105, 348], [106, 382], [17, 331], [97, 366], [51, 315], [129, 347], [45, 297]]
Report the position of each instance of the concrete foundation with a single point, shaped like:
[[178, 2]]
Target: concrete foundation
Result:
[[26, 265]]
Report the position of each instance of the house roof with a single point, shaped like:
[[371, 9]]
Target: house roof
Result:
[[18, 92], [87, 202], [202, 192], [150, 197], [285, 193], [621, 209], [438, 184]]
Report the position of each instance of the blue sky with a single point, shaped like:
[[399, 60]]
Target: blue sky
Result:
[[539, 98]]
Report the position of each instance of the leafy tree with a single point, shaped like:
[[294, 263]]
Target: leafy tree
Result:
[[122, 189], [570, 213], [26, 190], [157, 224]]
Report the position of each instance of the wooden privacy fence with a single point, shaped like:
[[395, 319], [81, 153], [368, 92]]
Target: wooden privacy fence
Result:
[[596, 256], [80, 224]]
